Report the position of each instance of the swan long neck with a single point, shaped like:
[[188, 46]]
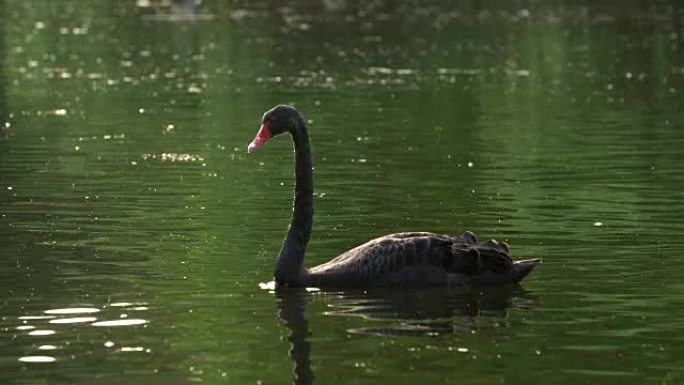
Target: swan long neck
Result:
[[290, 264]]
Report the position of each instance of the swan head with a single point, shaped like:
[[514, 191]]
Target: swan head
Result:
[[277, 120]]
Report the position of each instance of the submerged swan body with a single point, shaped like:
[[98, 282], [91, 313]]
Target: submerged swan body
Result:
[[404, 259]]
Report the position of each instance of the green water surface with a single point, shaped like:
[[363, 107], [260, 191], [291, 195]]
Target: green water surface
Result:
[[135, 230]]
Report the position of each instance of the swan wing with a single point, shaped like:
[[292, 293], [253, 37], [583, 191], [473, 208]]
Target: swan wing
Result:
[[421, 258]]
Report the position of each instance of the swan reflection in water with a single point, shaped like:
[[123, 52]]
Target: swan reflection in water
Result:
[[428, 312]]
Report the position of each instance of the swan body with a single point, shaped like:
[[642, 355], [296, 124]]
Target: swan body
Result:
[[408, 259]]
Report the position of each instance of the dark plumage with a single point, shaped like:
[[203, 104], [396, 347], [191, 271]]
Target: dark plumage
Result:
[[402, 259]]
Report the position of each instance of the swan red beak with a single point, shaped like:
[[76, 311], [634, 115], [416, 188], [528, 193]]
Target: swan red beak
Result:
[[261, 137]]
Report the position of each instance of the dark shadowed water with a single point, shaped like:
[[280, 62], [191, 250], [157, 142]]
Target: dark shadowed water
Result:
[[135, 230]]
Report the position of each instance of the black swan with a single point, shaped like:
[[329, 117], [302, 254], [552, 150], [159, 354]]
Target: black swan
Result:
[[403, 259]]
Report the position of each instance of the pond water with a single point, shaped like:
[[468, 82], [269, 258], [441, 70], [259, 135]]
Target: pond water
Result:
[[135, 230]]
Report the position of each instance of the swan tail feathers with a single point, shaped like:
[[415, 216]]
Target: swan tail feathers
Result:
[[525, 267]]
